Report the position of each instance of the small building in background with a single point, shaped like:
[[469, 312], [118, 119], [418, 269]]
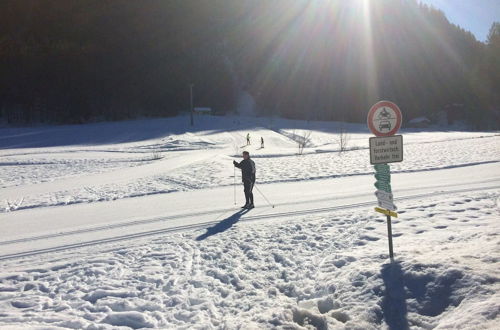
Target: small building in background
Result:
[[419, 122], [203, 111]]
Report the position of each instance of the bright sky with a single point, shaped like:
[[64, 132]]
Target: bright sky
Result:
[[475, 16]]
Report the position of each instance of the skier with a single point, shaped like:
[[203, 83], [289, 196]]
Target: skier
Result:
[[248, 139], [247, 167], [261, 142]]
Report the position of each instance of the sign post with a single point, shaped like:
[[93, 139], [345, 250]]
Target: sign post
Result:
[[389, 235], [384, 120]]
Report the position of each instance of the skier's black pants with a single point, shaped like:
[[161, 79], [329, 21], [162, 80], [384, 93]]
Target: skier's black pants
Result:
[[248, 187]]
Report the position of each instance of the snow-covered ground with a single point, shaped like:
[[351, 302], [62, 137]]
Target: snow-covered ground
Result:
[[133, 224]]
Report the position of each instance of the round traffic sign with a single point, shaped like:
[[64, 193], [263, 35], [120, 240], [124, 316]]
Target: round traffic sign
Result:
[[384, 118]]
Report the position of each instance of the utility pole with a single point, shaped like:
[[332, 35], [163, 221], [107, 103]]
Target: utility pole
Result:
[[192, 109]]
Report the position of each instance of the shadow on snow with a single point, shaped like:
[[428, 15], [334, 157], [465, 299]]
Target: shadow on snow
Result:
[[223, 225], [394, 300], [93, 134]]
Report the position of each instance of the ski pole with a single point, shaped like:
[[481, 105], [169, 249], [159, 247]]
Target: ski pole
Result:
[[268, 202], [234, 184]]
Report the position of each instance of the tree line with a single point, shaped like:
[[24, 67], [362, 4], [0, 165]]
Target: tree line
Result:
[[75, 61]]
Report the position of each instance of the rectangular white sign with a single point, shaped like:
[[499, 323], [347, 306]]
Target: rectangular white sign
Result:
[[387, 205], [387, 149], [385, 196]]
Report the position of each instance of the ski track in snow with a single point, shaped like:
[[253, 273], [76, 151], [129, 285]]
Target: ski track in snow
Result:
[[325, 270], [204, 224]]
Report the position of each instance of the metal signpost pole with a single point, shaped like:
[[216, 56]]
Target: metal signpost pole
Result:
[[389, 234]]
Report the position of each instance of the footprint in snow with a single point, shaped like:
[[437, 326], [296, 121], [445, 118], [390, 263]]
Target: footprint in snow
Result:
[[369, 238]]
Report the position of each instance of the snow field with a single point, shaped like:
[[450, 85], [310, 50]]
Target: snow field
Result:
[[316, 261], [326, 270]]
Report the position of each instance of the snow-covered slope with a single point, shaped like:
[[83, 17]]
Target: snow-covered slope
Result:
[[109, 161], [134, 224]]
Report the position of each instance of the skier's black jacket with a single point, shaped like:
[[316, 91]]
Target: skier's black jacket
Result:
[[247, 169]]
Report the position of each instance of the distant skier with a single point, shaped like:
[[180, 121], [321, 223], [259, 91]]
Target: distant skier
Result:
[[261, 142], [248, 177], [248, 139]]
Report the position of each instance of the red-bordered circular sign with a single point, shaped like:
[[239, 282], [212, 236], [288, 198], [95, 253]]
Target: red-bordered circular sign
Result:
[[384, 118]]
